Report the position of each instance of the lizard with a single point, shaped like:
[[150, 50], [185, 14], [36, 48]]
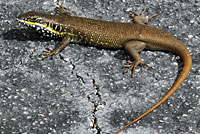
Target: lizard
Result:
[[132, 37]]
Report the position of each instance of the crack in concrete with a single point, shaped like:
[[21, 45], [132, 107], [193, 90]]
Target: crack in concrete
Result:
[[96, 104], [80, 78]]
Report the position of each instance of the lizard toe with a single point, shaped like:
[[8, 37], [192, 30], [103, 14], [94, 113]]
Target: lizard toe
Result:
[[132, 65]]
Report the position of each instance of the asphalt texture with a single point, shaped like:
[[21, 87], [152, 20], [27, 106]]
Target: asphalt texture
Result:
[[83, 89]]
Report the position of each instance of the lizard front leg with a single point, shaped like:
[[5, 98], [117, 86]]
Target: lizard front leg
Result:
[[140, 18], [47, 53], [59, 9]]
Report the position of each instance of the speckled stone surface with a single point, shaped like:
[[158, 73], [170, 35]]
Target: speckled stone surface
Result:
[[83, 90]]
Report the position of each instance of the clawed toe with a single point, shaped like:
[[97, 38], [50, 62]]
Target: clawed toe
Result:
[[58, 10], [145, 65], [47, 53], [132, 65], [140, 18]]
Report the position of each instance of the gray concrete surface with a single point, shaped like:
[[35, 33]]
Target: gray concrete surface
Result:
[[83, 90]]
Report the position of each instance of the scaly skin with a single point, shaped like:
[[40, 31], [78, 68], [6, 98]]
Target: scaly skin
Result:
[[133, 37]]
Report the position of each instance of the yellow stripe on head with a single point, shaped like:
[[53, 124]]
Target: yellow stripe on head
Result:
[[42, 26]]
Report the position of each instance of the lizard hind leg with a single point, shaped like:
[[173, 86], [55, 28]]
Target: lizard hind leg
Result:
[[132, 48], [140, 18], [59, 9]]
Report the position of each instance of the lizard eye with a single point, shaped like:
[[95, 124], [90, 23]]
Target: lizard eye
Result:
[[35, 19]]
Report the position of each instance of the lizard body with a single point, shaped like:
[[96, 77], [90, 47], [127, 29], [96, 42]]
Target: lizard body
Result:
[[133, 37]]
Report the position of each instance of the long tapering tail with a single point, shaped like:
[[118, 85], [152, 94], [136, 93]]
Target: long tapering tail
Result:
[[187, 60]]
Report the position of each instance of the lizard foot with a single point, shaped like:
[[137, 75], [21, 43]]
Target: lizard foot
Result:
[[132, 65], [48, 53], [140, 18], [59, 9]]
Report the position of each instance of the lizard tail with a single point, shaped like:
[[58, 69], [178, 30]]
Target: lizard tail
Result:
[[187, 60]]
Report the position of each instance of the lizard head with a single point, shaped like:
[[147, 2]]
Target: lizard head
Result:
[[45, 23]]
